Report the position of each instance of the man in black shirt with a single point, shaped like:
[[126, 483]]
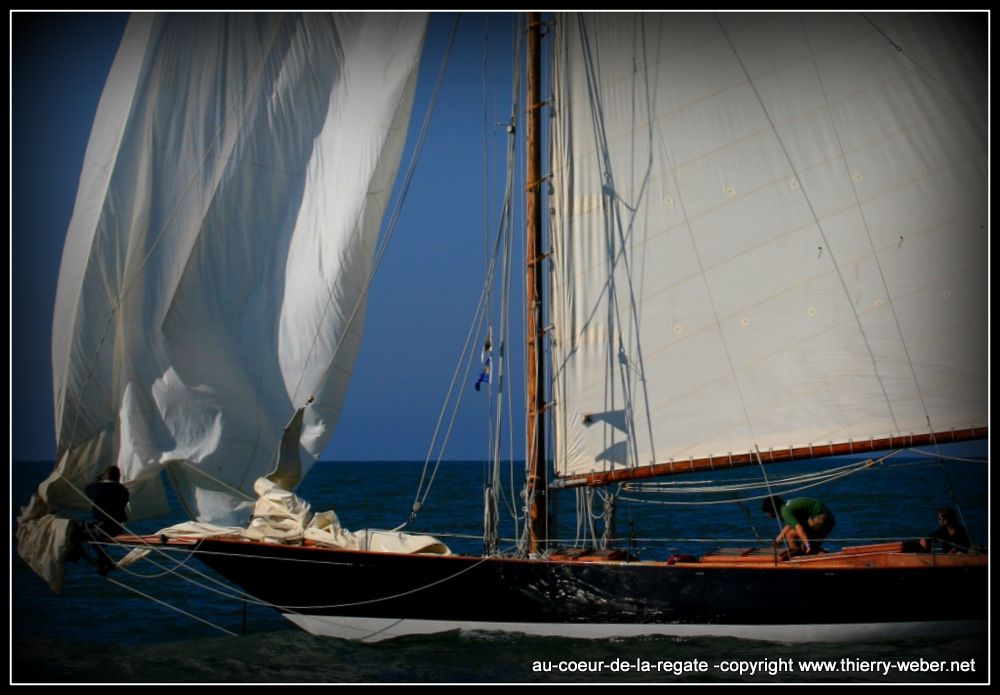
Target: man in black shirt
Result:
[[951, 534], [110, 500]]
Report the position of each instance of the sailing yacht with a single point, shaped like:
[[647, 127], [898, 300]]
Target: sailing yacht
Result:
[[766, 240]]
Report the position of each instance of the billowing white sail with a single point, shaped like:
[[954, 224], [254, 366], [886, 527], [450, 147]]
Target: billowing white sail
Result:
[[769, 232], [224, 228]]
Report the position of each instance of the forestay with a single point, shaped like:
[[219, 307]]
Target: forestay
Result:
[[769, 231]]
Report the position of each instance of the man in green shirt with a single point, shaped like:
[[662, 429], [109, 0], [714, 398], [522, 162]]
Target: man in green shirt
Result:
[[807, 522]]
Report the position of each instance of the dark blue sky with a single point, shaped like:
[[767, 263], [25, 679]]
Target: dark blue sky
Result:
[[423, 298]]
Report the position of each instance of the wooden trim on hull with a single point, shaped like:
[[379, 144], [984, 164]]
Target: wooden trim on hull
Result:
[[709, 463], [891, 554]]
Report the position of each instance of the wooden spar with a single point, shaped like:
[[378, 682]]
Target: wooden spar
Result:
[[537, 478], [771, 456]]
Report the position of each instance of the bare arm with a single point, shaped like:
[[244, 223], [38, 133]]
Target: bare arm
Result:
[[801, 533], [785, 532]]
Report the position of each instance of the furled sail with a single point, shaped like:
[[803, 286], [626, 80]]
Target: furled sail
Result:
[[213, 274], [769, 232]]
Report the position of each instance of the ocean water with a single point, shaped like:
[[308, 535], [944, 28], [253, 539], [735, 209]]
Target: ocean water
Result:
[[98, 631]]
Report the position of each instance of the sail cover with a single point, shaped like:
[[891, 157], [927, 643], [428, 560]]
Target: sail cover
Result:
[[213, 273], [769, 231]]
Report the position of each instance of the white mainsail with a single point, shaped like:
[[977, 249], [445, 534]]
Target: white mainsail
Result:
[[213, 274], [769, 232]]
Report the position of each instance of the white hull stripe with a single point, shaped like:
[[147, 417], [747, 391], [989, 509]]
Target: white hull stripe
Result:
[[377, 629]]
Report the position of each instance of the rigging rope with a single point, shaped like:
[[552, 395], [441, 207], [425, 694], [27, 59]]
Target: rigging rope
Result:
[[826, 242], [389, 597], [871, 243], [502, 241], [692, 487], [506, 290], [618, 234], [206, 474], [281, 607], [732, 500], [467, 354], [496, 421], [929, 79], [944, 457], [172, 607]]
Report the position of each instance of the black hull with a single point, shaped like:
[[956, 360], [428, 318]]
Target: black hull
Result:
[[459, 589]]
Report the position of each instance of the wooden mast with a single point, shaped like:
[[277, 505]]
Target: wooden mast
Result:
[[537, 478]]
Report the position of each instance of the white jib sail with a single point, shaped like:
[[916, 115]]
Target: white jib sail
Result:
[[224, 228]]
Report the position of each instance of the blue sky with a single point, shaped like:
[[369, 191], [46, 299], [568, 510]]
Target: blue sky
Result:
[[421, 302]]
